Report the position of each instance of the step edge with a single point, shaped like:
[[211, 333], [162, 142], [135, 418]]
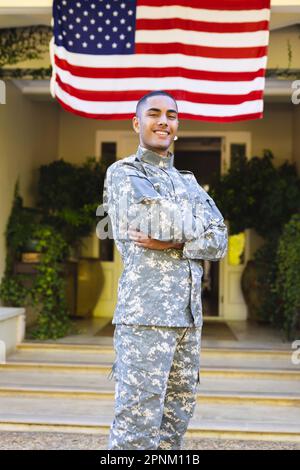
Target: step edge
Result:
[[110, 349], [103, 394], [239, 434], [104, 368]]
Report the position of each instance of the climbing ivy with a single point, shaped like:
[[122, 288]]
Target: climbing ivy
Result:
[[23, 43], [48, 293]]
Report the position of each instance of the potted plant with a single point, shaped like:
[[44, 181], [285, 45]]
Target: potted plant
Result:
[[19, 229]]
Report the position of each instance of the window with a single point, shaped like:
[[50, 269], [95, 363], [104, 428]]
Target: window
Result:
[[108, 156]]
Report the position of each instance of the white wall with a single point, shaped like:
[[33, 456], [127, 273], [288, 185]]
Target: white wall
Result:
[[278, 48], [28, 139]]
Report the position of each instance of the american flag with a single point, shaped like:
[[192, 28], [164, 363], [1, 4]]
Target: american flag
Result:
[[210, 55]]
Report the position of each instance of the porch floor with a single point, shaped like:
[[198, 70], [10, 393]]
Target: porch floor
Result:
[[217, 332]]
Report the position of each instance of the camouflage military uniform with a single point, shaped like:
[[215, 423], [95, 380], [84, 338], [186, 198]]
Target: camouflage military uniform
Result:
[[159, 314]]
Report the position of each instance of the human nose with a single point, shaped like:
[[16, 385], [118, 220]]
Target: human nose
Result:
[[162, 120]]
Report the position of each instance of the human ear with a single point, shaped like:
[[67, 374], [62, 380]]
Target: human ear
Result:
[[136, 124]]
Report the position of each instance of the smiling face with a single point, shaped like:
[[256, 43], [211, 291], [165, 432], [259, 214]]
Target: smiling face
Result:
[[157, 123]]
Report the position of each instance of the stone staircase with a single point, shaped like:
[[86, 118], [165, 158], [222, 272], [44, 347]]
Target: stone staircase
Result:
[[244, 393]]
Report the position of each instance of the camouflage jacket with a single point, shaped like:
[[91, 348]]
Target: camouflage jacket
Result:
[[161, 287]]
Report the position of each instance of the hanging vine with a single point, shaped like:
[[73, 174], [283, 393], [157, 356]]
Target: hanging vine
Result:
[[23, 43]]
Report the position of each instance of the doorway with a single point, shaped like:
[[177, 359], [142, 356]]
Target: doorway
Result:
[[203, 156]]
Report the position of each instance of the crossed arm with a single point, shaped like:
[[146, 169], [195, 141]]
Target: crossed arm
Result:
[[143, 240], [206, 236]]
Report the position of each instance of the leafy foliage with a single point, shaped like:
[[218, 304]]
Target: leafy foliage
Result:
[[255, 194], [265, 260], [38, 73], [23, 43], [47, 293], [69, 195], [68, 199], [287, 282], [19, 228], [13, 293], [49, 288]]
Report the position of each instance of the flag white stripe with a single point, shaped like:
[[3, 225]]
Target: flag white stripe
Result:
[[237, 40], [249, 107], [197, 14], [168, 83], [155, 60], [124, 107]]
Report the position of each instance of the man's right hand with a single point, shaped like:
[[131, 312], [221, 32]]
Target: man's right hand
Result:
[[143, 240]]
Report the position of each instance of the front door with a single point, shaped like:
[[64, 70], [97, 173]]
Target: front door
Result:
[[222, 294], [202, 156]]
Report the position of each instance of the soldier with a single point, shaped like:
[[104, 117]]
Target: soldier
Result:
[[163, 224]]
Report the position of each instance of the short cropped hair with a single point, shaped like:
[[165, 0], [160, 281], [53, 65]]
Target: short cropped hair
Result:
[[144, 98]]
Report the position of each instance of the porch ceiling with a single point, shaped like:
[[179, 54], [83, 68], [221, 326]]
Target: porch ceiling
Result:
[[281, 16], [276, 91]]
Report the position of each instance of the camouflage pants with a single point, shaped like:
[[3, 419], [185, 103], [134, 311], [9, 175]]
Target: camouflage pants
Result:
[[156, 372]]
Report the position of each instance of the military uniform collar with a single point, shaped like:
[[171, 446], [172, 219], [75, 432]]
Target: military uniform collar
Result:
[[154, 158]]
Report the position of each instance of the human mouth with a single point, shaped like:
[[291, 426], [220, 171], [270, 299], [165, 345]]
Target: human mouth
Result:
[[162, 133]]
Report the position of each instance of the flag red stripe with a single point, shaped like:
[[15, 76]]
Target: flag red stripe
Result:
[[242, 117], [202, 51], [108, 117], [208, 4], [191, 25], [153, 72], [134, 95]]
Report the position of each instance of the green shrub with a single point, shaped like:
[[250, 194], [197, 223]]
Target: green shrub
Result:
[[287, 283], [49, 287], [13, 293], [256, 194], [68, 196], [265, 260]]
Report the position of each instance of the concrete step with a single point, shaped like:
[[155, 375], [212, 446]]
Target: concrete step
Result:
[[84, 368], [104, 355], [47, 383], [236, 420], [207, 397], [107, 347], [106, 343], [244, 393]]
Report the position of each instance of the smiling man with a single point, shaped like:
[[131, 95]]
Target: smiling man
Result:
[[163, 224]]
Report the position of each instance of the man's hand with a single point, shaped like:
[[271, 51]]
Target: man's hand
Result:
[[143, 240]]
